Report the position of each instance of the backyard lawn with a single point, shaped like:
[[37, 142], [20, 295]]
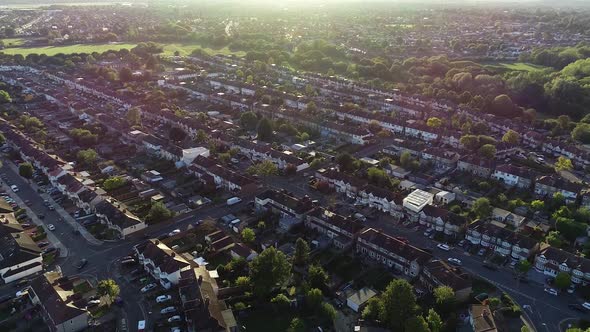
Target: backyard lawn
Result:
[[264, 321]]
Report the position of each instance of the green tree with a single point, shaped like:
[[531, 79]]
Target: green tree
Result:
[[563, 164], [248, 235], [482, 207], [265, 130], [399, 304], [113, 182], [87, 157], [563, 280], [328, 312], [5, 97], [248, 120], [301, 252], [2, 139], [444, 296], [470, 142], [554, 239], [523, 266], [314, 298], [297, 325], [317, 276], [416, 324], [311, 108], [201, 136], [434, 122], [26, 170], [346, 162], [581, 133], [434, 321], [134, 116], [511, 137], [281, 301], [487, 151], [269, 270], [537, 205], [264, 168], [125, 74], [502, 105], [373, 309], [243, 281], [158, 212], [108, 288]]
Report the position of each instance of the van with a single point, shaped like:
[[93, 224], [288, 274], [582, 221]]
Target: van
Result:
[[233, 201], [360, 217]]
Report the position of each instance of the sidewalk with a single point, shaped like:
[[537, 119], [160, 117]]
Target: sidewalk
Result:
[[64, 215], [63, 250]]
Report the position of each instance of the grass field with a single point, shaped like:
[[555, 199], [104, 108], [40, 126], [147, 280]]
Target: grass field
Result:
[[520, 66], [78, 48], [169, 49], [12, 41]]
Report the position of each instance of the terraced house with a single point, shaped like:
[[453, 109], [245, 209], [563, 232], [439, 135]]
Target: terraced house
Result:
[[391, 252], [551, 261], [342, 230]]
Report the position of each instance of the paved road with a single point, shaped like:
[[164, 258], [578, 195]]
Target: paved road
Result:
[[546, 309]]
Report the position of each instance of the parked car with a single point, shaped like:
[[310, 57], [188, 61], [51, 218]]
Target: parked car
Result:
[[51, 227], [51, 208], [461, 243], [163, 298], [586, 305], [571, 289], [175, 329], [444, 247], [174, 232], [551, 291], [148, 287], [21, 283], [82, 264], [481, 252], [92, 303], [454, 261], [168, 310], [174, 319], [14, 188], [48, 250], [43, 244]]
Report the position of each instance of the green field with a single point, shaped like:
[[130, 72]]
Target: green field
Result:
[[78, 48], [169, 49], [8, 42], [520, 66]]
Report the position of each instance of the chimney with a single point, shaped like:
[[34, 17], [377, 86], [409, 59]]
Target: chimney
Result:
[[156, 242], [207, 301], [173, 254], [200, 279]]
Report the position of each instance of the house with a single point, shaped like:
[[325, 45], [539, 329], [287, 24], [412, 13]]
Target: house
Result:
[[546, 186], [20, 256], [504, 242], [442, 220], [291, 209], [438, 273], [476, 166], [161, 262], [382, 200], [481, 318], [240, 250], [341, 182], [203, 310], [391, 252], [116, 216], [551, 261], [54, 294], [341, 230], [358, 299], [514, 176], [507, 217]]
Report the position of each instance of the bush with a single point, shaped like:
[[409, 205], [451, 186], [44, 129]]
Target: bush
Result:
[[240, 306]]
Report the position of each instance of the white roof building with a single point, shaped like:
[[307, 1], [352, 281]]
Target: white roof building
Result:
[[417, 200]]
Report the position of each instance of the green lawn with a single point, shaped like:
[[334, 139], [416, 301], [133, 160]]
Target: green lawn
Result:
[[8, 42], [169, 49], [520, 66], [265, 321], [78, 48]]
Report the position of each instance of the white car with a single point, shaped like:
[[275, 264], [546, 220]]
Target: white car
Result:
[[94, 302], [175, 329], [174, 232], [454, 261], [444, 247], [586, 305], [163, 298], [51, 227], [14, 188], [148, 288], [174, 319], [168, 310], [551, 291]]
